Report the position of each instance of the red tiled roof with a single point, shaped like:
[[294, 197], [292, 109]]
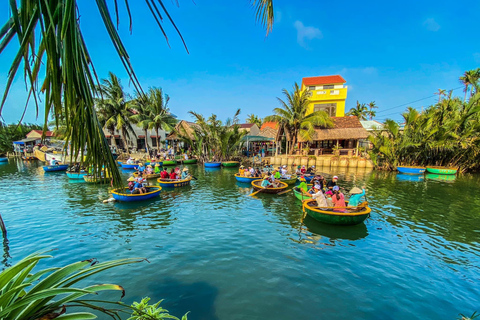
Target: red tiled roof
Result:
[[245, 125], [311, 81], [47, 134], [270, 124]]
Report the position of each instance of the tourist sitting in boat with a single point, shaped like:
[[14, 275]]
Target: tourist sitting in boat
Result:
[[303, 170], [277, 175], [139, 188], [328, 196], [247, 173], [241, 171], [178, 172], [266, 183], [157, 168], [173, 175], [149, 169], [131, 161], [252, 171], [332, 183], [131, 184], [258, 173], [355, 196], [53, 162], [284, 171], [185, 156], [317, 195], [338, 198], [140, 167], [164, 174], [185, 173], [311, 170]]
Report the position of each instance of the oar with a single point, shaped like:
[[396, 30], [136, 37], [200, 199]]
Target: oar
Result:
[[252, 194], [194, 177], [285, 191]]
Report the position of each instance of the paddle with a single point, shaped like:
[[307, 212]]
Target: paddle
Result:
[[285, 191], [252, 194], [194, 177]]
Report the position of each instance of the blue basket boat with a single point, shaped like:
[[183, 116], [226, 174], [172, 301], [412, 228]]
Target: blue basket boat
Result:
[[411, 170], [3, 159], [58, 167], [308, 177], [132, 166], [212, 164], [76, 175], [245, 179], [126, 196]]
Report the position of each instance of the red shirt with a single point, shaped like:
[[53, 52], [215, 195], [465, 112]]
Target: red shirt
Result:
[[173, 175], [164, 175]]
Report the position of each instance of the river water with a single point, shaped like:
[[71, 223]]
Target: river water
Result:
[[220, 254]]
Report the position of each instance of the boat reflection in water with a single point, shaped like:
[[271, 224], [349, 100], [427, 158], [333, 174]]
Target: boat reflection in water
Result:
[[409, 177], [441, 177], [334, 232]]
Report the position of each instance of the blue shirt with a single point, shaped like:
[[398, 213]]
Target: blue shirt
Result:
[[141, 168], [355, 199], [265, 183], [138, 185]]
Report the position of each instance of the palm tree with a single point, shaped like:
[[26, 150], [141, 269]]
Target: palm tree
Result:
[[113, 109], [50, 31], [371, 112], [360, 111], [441, 93], [152, 112], [293, 118], [470, 78], [251, 118]]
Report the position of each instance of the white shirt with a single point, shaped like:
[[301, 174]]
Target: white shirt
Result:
[[252, 171], [320, 197], [53, 162], [129, 161]]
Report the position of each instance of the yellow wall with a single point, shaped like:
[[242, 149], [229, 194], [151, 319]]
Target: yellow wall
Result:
[[326, 96]]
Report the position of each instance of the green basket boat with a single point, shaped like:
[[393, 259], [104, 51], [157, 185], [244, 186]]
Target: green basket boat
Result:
[[190, 161], [292, 180], [441, 170], [230, 164], [299, 194], [169, 163], [349, 216]]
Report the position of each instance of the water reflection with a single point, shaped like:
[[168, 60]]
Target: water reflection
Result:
[[410, 177], [441, 177], [334, 232]]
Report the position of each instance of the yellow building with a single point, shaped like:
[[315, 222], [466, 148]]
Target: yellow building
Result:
[[328, 93]]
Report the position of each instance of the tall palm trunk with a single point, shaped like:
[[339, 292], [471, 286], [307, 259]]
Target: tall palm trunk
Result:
[[157, 139], [124, 139], [146, 141], [466, 90], [112, 134]]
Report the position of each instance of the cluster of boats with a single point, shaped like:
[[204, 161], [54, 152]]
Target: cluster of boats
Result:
[[422, 170]]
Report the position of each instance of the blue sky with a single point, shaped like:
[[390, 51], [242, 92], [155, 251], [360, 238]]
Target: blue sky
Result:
[[389, 52]]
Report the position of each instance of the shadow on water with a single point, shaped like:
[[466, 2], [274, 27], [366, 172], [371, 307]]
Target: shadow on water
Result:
[[198, 298], [334, 232]]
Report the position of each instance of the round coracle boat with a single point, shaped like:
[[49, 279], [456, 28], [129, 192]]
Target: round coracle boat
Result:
[[299, 194], [132, 166], [230, 163], [125, 195], [257, 185], [93, 179], [3, 159], [244, 179], [148, 176], [174, 183], [289, 181], [58, 167], [212, 164], [340, 216], [441, 170], [411, 170], [76, 175], [308, 177], [169, 162], [190, 161]]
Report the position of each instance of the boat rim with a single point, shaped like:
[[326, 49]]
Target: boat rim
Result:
[[157, 188], [333, 213], [159, 180], [284, 185]]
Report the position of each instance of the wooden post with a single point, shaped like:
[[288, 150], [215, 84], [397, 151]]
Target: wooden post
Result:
[[357, 147], [4, 229]]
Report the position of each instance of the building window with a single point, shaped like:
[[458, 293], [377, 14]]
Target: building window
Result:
[[329, 86], [334, 92], [154, 142], [311, 88], [329, 108]]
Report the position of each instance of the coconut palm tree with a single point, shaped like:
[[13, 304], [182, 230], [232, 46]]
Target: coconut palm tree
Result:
[[294, 119], [113, 109], [372, 113], [470, 78], [251, 118], [49, 35], [360, 111], [440, 93]]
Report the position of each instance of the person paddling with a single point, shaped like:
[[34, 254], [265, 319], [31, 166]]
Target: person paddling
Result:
[[318, 196], [185, 173], [356, 196], [332, 183]]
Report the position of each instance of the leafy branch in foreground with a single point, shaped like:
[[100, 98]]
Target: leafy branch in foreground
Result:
[[28, 296]]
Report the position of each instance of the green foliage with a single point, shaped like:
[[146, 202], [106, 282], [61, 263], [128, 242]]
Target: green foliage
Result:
[[211, 138], [145, 311], [14, 132], [445, 134], [251, 118], [464, 317], [292, 116], [363, 111], [29, 296]]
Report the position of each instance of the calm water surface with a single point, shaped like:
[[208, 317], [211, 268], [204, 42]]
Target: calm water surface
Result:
[[220, 254]]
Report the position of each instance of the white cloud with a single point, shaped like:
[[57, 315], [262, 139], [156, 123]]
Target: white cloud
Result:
[[306, 33], [431, 25]]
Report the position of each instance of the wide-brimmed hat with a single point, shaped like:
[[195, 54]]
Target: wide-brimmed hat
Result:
[[317, 186], [149, 166], [284, 166], [140, 164], [185, 169], [336, 188], [131, 179], [266, 177], [355, 190], [335, 177], [241, 167], [157, 164]]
